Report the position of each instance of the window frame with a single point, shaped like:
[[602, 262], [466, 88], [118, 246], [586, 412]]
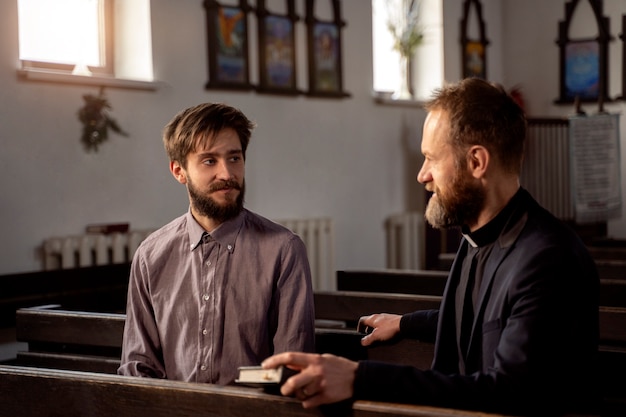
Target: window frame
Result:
[[107, 43], [426, 65]]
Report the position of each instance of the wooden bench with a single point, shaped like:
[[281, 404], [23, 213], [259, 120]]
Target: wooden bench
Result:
[[27, 392], [610, 261], [612, 359], [67, 340], [102, 288], [423, 282], [75, 340], [64, 339], [612, 291]]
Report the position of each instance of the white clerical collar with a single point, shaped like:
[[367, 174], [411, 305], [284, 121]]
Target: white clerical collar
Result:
[[470, 240]]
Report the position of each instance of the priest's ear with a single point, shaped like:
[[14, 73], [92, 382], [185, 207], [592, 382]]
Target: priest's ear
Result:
[[477, 160]]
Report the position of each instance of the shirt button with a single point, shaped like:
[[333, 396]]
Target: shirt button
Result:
[[204, 331], [203, 367], [206, 297], [209, 263]]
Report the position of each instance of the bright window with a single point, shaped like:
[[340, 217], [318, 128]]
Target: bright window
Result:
[[61, 37], [427, 62], [66, 35]]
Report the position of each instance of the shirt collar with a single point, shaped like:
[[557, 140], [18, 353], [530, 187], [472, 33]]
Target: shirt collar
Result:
[[490, 232], [225, 234]]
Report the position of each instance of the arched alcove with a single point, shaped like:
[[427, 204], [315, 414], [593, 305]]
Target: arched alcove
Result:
[[583, 61], [325, 52], [473, 49]]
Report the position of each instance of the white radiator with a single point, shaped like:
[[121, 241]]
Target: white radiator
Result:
[[100, 249], [91, 249], [546, 169], [317, 234], [405, 236]]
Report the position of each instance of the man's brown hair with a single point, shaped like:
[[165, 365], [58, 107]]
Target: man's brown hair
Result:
[[483, 113]]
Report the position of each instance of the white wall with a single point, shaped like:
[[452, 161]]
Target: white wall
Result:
[[349, 159], [531, 60], [309, 157]]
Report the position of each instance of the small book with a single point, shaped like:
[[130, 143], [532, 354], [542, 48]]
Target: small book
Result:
[[259, 377]]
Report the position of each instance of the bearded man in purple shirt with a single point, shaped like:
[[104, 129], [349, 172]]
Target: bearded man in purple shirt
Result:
[[220, 286]]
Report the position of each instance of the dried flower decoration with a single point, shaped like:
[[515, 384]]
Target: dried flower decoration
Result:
[[96, 121], [404, 26]]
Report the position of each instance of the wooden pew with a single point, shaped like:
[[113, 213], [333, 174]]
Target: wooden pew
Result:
[[613, 269], [100, 287], [27, 392], [610, 260], [75, 340], [348, 306], [612, 360], [423, 282], [67, 340], [613, 293]]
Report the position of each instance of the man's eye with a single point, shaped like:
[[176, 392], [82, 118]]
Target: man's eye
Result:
[[209, 161], [235, 158]]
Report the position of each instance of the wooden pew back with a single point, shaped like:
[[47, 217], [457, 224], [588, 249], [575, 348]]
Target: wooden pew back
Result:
[[92, 341], [422, 282], [88, 341], [27, 392], [610, 261], [101, 288], [74, 340]]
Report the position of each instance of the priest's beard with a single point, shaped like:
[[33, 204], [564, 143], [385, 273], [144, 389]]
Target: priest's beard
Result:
[[459, 205], [207, 206]]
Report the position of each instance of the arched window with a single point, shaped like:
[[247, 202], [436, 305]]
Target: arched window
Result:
[[426, 70]]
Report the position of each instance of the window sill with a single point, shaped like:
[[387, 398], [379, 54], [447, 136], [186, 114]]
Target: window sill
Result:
[[385, 99], [59, 77]]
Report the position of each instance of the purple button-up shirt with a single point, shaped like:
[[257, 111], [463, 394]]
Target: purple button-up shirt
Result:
[[200, 305]]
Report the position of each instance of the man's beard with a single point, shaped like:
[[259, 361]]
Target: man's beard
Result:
[[460, 205], [207, 206]]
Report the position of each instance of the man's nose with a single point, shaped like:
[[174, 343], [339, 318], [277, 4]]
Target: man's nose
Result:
[[423, 176], [223, 171]]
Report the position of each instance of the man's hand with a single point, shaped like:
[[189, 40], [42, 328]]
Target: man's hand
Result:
[[379, 327], [323, 379]]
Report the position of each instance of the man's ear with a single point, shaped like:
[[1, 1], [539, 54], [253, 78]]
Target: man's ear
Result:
[[478, 160], [178, 172]]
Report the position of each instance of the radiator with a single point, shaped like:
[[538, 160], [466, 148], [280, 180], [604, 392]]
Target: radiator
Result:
[[405, 241], [100, 249], [546, 168], [318, 237], [91, 249]]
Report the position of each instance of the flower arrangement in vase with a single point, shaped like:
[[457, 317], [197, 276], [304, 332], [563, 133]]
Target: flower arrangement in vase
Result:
[[404, 26]]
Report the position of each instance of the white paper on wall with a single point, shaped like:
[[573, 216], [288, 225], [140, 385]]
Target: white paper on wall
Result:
[[595, 167]]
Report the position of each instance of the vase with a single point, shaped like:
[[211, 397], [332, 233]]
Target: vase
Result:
[[403, 91]]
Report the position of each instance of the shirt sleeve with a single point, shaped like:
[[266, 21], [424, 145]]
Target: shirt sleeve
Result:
[[141, 350], [294, 310]]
